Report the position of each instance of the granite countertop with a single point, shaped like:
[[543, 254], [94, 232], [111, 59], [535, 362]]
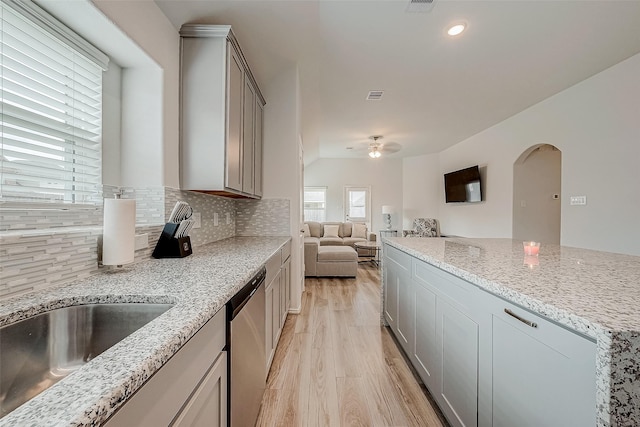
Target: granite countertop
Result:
[[583, 289], [198, 285], [592, 292]]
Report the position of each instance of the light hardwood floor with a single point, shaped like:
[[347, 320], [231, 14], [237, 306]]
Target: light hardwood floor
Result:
[[337, 366]]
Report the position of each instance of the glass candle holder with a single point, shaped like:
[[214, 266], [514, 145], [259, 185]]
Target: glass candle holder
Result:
[[531, 248]]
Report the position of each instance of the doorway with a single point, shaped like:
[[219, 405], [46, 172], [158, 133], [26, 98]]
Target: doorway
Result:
[[357, 205], [537, 176]]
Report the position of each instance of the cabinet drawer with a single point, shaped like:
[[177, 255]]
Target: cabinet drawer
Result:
[[401, 258], [273, 267], [286, 251], [563, 340], [458, 290]]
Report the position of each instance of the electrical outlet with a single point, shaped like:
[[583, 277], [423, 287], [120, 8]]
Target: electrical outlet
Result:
[[142, 241], [215, 219], [578, 200], [197, 218], [228, 218]]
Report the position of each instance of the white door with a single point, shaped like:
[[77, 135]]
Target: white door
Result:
[[357, 205]]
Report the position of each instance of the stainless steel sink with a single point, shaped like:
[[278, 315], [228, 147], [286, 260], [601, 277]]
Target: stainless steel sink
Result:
[[36, 353]]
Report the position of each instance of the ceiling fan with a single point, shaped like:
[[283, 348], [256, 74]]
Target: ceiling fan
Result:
[[376, 148]]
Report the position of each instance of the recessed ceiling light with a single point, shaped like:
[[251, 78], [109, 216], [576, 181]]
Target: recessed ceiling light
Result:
[[456, 29]]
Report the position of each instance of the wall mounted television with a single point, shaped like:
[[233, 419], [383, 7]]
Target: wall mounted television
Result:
[[463, 186]]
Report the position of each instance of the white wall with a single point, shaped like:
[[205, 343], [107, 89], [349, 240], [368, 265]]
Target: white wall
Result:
[[111, 124], [536, 179], [141, 150], [281, 173], [384, 176], [596, 126], [149, 28], [420, 178]]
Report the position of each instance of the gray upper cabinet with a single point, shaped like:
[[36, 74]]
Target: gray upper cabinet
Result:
[[221, 112], [248, 153]]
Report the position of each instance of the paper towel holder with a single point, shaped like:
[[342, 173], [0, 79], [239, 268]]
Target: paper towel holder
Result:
[[169, 246], [118, 234]]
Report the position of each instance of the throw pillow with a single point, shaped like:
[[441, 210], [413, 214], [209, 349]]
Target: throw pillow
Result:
[[306, 231], [359, 230], [331, 230]]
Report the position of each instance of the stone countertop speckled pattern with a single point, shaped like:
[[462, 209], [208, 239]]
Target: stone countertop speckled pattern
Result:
[[198, 285], [596, 293], [583, 289]]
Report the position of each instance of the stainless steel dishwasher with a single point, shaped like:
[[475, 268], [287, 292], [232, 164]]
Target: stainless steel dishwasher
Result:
[[247, 352]]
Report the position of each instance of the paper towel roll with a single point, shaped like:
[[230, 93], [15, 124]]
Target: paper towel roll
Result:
[[119, 233]]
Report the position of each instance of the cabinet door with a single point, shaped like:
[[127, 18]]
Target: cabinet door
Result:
[[390, 292], [542, 375], [268, 324], [275, 320], [284, 292], [248, 140], [257, 155], [425, 352], [406, 309], [457, 343], [208, 405], [235, 85], [287, 288]]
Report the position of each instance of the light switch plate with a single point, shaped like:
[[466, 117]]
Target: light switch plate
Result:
[[215, 219], [197, 217], [578, 200], [228, 218]]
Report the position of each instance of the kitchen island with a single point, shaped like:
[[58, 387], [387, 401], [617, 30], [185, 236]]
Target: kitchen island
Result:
[[198, 286], [593, 294]]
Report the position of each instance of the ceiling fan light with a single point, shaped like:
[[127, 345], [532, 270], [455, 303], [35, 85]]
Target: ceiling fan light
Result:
[[456, 29]]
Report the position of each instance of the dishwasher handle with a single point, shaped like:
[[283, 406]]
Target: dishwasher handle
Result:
[[241, 298]]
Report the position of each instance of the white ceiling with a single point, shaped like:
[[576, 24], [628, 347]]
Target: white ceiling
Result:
[[438, 90]]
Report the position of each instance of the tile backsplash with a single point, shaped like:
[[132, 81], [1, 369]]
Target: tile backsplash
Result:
[[268, 217], [48, 247]]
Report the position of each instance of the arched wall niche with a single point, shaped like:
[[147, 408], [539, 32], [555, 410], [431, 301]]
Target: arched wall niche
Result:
[[537, 187]]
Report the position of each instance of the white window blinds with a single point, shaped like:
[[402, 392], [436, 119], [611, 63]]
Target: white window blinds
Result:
[[51, 109]]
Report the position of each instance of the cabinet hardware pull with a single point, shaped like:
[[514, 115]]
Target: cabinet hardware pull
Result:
[[525, 321]]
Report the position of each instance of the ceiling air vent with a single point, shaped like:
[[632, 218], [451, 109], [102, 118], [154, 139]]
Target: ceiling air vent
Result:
[[420, 6], [375, 95]]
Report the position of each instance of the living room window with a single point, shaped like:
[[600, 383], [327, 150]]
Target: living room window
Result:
[[51, 109], [315, 204]]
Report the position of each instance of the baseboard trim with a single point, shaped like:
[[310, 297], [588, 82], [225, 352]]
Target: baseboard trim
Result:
[[295, 310]]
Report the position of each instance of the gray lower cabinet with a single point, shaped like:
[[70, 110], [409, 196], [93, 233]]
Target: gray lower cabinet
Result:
[[457, 387], [189, 390], [396, 269], [540, 376], [425, 356], [277, 302], [482, 365], [447, 340]]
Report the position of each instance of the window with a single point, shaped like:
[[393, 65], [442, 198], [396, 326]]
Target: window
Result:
[[51, 109], [315, 204]]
